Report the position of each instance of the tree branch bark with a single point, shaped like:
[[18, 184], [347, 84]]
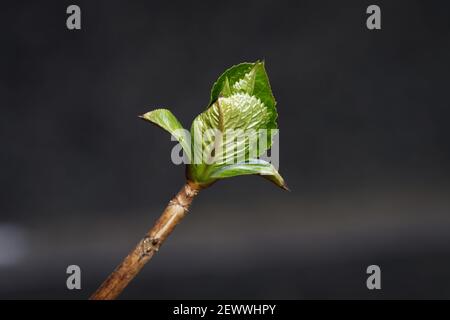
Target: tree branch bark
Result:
[[149, 244]]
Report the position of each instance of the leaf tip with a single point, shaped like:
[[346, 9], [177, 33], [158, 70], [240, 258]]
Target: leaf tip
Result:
[[285, 187]]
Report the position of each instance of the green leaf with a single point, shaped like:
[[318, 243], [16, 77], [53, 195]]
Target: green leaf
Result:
[[254, 166], [166, 120], [241, 104], [238, 118], [231, 75], [246, 77]]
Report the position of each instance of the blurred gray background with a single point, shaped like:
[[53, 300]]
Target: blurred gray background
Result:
[[364, 146]]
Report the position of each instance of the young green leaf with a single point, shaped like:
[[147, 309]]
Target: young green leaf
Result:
[[231, 75], [254, 166], [230, 126], [166, 120]]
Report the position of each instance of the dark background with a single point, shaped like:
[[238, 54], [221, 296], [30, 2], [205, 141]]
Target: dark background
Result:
[[364, 137]]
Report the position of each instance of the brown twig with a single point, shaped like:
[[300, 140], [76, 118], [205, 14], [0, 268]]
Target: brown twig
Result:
[[146, 248]]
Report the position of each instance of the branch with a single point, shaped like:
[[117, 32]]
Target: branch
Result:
[[149, 244]]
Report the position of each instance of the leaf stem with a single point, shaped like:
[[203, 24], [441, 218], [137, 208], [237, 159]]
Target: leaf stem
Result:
[[149, 244]]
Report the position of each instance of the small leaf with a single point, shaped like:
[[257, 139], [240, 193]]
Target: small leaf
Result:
[[230, 76], [254, 166], [166, 120], [246, 77]]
